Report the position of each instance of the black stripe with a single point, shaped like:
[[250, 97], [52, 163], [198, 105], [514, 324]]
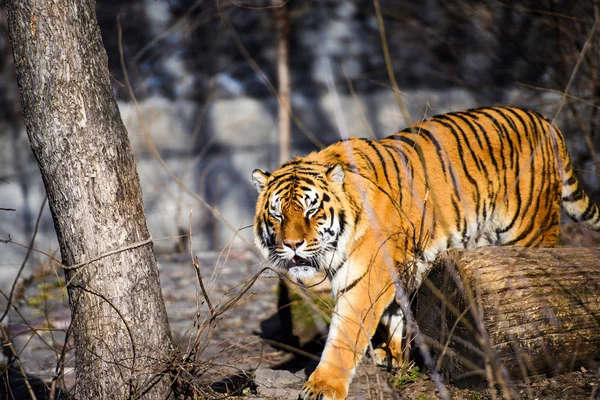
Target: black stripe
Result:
[[367, 160], [505, 134], [478, 162], [308, 181], [381, 160], [410, 144], [499, 133], [463, 163], [575, 196], [517, 239], [590, 212], [440, 120], [465, 117], [458, 217], [354, 283], [514, 219], [533, 220], [402, 138], [342, 217], [522, 121], [354, 206], [440, 153], [278, 191], [393, 153], [595, 222], [489, 150], [396, 150], [509, 120]]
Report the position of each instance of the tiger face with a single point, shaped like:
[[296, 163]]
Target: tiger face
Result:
[[300, 225]]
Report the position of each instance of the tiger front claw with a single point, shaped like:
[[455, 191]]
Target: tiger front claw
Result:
[[323, 389]]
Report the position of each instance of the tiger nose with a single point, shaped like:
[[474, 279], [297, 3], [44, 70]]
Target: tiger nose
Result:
[[293, 243]]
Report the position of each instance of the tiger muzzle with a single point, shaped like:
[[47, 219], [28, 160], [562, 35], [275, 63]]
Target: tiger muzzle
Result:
[[298, 261]]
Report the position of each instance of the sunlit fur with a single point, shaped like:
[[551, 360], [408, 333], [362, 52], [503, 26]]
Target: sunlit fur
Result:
[[361, 210], [312, 212]]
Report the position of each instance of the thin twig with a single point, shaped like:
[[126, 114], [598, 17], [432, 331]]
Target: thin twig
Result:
[[34, 330], [156, 153], [60, 365], [197, 269], [438, 364], [130, 381], [108, 253], [292, 349], [403, 301], [389, 66], [263, 77], [359, 106], [29, 250], [586, 47], [6, 342], [562, 93], [202, 288]]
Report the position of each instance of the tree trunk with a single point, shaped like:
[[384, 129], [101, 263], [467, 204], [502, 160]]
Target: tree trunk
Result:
[[284, 306], [521, 312], [283, 79], [121, 335]]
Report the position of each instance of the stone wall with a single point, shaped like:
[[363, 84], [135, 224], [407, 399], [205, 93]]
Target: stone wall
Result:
[[213, 118]]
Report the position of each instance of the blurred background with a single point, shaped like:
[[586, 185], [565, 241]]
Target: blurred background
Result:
[[204, 78]]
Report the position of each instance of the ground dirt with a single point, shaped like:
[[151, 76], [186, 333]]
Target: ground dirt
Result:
[[245, 355]]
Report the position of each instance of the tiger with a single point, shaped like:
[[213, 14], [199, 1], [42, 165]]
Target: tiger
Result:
[[359, 209]]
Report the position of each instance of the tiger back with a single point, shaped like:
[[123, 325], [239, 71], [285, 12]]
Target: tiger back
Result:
[[359, 209]]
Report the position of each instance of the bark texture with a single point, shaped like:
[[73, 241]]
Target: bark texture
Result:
[[120, 329], [283, 79], [498, 312]]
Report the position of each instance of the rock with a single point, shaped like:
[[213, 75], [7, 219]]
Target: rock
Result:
[[274, 379], [278, 393], [278, 384]]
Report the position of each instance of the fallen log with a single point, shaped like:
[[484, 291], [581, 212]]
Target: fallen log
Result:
[[499, 312]]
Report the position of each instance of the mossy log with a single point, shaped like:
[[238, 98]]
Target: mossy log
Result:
[[500, 312]]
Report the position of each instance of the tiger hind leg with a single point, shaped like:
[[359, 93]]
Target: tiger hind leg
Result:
[[389, 354]]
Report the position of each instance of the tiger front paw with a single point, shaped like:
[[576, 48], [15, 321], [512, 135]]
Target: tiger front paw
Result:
[[388, 356], [324, 387]]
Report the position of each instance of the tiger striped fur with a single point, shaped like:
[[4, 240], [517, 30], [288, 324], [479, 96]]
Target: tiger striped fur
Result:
[[359, 208]]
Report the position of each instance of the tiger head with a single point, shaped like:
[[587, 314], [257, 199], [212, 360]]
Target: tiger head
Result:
[[302, 224]]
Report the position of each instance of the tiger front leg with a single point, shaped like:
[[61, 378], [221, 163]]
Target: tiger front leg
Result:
[[359, 307], [390, 354], [331, 379]]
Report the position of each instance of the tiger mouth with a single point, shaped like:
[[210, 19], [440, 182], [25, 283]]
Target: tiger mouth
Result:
[[299, 262]]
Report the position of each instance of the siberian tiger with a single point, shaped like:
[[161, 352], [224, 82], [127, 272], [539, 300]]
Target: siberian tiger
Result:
[[359, 208]]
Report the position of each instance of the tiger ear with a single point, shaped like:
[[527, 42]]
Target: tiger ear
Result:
[[336, 173], [259, 179]]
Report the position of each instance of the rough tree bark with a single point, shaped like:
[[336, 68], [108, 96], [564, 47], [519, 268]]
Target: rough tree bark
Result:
[[283, 80], [497, 312], [120, 329]]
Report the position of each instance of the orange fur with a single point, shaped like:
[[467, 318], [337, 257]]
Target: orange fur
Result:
[[358, 209]]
